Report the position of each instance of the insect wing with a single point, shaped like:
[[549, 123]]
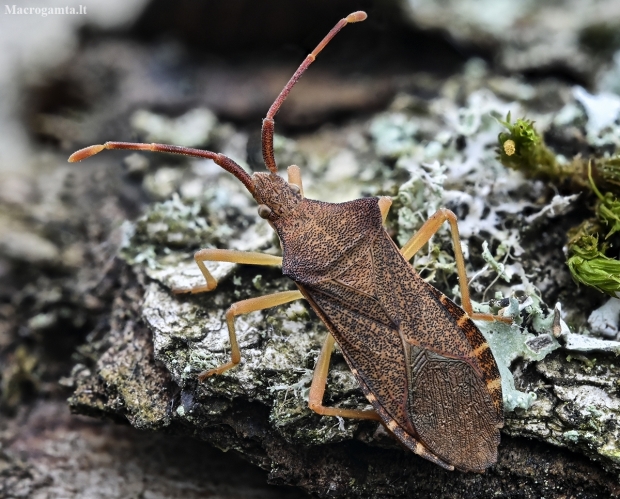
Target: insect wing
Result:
[[449, 408], [423, 363], [369, 341], [455, 399]]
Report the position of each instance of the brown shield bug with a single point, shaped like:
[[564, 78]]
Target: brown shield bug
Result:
[[420, 360]]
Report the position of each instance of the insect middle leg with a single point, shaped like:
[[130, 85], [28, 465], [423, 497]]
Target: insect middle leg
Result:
[[245, 307], [420, 238]]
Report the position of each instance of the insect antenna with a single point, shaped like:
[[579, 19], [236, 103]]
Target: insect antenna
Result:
[[268, 123], [224, 161], [267, 132]]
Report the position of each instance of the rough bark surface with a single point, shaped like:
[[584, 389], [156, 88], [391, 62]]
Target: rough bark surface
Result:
[[368, 465]]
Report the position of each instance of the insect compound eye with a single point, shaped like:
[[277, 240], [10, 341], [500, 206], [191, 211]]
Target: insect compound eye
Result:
[[295, 188], [264, 211]]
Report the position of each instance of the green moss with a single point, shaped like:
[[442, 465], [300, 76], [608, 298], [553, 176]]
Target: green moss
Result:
[[587, 261], [608, 207], [608, 170], [522, 148], [589, 265], [611, 451]]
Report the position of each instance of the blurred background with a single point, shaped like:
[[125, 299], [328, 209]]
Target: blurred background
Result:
[[68, 81]]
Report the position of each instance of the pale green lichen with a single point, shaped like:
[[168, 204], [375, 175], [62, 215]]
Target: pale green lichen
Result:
[[394, 134], [173, 224], [508, 343], [498, 267], [419, 198]]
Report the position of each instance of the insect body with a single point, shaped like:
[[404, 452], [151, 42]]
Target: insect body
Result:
[[419, 359]]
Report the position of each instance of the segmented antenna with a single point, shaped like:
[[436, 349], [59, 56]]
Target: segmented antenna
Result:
[[224, 161], [268, 123]]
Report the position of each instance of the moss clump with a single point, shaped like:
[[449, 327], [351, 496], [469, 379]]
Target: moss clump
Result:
[[588, 263], [607, 208], [608, 170], [522, 148]]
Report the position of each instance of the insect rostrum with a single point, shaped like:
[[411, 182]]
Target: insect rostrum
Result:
[[419, 359]]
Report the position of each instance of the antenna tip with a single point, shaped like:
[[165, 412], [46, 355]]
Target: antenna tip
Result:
[[87, 152], [357, 17]]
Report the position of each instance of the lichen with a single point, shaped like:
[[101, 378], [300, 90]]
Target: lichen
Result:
[[508, 342], [192, 129], [604, 320], [603, 111]]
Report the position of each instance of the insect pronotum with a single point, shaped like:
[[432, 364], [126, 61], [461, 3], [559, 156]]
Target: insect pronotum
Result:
[[419, 359]]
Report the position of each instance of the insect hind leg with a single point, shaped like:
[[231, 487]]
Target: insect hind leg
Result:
[[420, 238], [319, 382]]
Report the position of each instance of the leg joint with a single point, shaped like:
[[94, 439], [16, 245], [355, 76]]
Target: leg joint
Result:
[[232, 311], [447, 214]]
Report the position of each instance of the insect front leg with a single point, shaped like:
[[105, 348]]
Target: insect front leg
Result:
[[245, 307], [420, 238], [319, 382], [294, 177], [224, 255]]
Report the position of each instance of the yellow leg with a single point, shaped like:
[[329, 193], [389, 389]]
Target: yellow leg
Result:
[[319, 382], [384, 205], [420, 238], [224, 255], [245, 307], [294, 177]]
